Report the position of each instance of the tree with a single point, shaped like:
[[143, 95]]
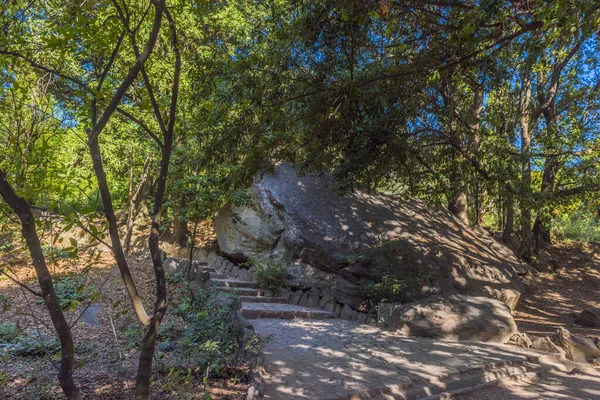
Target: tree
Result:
[[21, 207]]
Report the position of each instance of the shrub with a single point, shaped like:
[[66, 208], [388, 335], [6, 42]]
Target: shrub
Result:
[[578, 225], [270, 274], [388, 289]]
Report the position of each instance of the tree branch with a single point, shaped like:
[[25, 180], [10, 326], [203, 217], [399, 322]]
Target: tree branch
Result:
[[141, 124], [24, 286]]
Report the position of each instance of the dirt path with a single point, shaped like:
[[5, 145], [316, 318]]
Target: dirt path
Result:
[[554, 298]]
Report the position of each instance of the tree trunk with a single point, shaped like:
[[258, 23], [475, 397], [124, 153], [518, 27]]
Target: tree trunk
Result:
[[457, 200], [180, 228], [21, 207], [526, 135], [142, 382], [541, 228], [142, 379], [474, 125], [459, 206], [113, 230], [510, 219], [134, 203]]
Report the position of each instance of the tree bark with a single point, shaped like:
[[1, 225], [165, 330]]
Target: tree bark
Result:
[[459, 205], [21, 207], [541, 227], [457, 200]]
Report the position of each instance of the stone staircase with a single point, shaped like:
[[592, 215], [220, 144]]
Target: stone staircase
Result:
[[270, 312], [256, 302]]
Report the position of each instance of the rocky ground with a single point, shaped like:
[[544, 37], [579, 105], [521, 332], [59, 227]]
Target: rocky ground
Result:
[[573, 385]]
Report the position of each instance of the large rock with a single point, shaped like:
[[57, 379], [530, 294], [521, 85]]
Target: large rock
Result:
[[590, 317], [547, 345], [334, 241], [520, 339], [455, 317], [576, 348]]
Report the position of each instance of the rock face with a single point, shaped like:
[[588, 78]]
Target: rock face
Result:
[[455, 317], [590, 317], [333, 241]]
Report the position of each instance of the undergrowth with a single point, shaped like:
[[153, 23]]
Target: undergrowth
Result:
[[270, 274]]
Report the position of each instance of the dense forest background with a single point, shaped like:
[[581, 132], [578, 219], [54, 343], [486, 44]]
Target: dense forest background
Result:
[[487, 107]]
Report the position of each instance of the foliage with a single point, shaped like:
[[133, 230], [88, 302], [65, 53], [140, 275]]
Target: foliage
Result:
[[388, 289], [132, 335], [397, 272], [381, 94], [271, 274], [71, 290], [8, 332], [579, 225], [53, 253], [35, 343], [212, 339]]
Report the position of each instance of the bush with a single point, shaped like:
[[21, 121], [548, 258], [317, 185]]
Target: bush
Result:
[[212, 340], [270, 274], [388, 289]]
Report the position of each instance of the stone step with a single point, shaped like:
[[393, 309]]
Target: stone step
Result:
[[234, 283], [216, 275], [283, 311], [246, 291], [258, 299], [200, 269]]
